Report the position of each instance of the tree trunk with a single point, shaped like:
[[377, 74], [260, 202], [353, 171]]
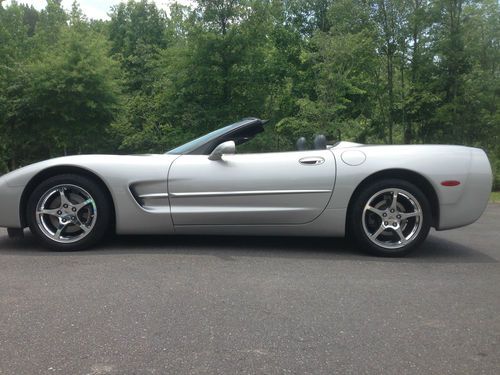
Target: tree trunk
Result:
[[390, 90], [388, 37], [407, 133], [415, 59], [12, 164]]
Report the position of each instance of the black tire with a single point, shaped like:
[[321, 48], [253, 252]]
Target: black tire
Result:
[[360, 220], [100, 205]]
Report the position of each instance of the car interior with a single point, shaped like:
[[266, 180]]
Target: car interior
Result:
[[243, 136]]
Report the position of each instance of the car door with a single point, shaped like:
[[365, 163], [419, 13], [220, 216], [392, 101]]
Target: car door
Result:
[[247, 189]]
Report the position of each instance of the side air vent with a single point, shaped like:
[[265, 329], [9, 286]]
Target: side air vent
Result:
[[151, 195]]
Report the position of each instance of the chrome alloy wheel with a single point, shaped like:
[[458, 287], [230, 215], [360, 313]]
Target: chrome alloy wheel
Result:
[[392, 218], [66, 213]]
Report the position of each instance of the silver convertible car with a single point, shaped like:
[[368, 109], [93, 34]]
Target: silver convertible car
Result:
[[384, 197]]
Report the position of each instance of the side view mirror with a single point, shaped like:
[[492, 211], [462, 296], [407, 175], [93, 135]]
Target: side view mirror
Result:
[[228, 147]]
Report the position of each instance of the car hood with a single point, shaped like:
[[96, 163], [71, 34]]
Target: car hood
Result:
[[21, 176]]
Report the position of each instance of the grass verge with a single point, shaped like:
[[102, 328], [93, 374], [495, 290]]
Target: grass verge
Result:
[[495, 197]]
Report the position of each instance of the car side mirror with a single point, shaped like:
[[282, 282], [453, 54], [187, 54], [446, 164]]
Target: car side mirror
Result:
[[228, 147]]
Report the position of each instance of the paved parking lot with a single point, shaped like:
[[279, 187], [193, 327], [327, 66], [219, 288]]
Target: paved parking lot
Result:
[[197, 305]]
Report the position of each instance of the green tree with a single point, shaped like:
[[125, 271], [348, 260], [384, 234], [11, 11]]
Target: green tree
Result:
[[412, 71], [52, 22], [342, 62], [137, 31], [16, 48], [62, 101]]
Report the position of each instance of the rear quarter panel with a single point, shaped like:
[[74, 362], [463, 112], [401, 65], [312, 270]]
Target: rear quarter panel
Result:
[[458, 205]]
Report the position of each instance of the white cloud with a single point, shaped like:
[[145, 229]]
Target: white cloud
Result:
[[98, 9]]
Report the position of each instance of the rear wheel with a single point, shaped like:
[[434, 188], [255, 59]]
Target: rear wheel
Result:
[[68, 212], [390, 217]]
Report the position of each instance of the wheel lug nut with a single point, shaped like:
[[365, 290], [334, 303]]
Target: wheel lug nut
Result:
[[59, 212], [63, 220], [73, 209], [392, 210], [65, 206], [386, 223], [398, 216], [384, 214], [394, 224]]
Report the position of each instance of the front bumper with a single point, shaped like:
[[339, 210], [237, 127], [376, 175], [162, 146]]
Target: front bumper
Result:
[[10, 201]]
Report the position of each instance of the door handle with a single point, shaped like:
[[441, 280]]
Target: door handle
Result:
[[312, 160]]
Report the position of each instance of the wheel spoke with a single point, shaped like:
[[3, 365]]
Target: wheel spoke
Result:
[[64, 199], [378, 232], [45, 211], [407, 215], [399, 232], [394, 201], [60, 229], [79, 206], [83, 227], [375, 210]]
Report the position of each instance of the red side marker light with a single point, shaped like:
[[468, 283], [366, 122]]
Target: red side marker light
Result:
[[450, 183]]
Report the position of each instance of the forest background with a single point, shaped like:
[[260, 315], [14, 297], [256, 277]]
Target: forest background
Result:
[[146, 80]]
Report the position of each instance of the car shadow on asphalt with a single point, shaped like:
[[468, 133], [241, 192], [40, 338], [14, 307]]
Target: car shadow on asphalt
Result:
[[433, 250]]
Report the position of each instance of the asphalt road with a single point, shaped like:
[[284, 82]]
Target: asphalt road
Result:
[[198, 305]]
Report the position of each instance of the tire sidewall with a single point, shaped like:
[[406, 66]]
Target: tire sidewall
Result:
[[101, 201], [356, 217]]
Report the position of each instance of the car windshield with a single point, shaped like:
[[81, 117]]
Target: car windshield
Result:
[[194, 144]]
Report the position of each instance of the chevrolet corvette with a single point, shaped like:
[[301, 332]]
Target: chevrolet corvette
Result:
[[386, 198]]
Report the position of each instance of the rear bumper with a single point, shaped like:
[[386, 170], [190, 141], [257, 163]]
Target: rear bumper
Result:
[[475, 195]]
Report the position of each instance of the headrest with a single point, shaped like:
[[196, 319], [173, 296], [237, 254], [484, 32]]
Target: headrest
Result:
[[320, 142], [301, 144]]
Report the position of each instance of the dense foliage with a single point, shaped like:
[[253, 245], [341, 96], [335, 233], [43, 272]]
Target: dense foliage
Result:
[[375, 71]]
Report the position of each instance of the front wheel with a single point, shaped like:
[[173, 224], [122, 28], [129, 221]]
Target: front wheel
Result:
[[390, 218], [68, 212]]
